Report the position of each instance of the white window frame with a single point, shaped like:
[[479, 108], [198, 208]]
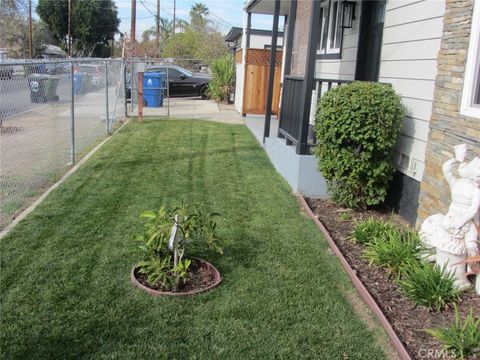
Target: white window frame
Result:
[[471, 82], [330, 45]]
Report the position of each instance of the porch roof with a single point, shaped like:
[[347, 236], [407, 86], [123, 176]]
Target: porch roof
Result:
[[267, 7]]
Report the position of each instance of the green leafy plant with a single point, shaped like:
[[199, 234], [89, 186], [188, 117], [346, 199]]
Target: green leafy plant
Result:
[[462, 338], [346, 216], [428, 285], [223, 76], [167, 236], [393, 250], [356, 127], [371, 230]]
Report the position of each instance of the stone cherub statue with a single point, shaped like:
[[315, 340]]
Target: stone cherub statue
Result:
[[454, 236]]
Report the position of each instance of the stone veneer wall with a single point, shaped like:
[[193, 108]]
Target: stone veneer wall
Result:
[[300, 37], [447, 126]]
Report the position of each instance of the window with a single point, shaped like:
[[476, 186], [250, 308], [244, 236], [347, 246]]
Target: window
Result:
[[471, 85], [331, 30]]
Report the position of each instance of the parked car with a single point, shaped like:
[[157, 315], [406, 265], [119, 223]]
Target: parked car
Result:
[[181, 82], [96, 72], [55, 68], [18, 71]]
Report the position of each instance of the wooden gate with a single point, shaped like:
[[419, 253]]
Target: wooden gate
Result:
[[255, 85]]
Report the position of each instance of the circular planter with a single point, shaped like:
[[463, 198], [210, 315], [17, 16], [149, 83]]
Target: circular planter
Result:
[[204, 264]]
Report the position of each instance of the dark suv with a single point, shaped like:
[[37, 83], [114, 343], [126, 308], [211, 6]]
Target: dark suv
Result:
[[181, 82]]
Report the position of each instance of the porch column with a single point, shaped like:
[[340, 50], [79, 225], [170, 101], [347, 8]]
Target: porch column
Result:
[[249, 27], [292, 15], [271, 70], [307, 87]]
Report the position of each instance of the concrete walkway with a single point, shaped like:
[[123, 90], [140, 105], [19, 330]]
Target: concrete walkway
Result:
[[196, 108]]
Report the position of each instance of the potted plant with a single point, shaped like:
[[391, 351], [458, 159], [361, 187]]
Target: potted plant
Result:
[[165, 267]]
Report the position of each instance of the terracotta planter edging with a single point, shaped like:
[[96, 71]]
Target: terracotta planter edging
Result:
[[205, 264], [362, 291]]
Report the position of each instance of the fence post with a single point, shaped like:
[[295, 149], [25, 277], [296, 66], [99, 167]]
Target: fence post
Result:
[[168, 91], [132, 92], [125, 87], [72, 114], [107, 120]]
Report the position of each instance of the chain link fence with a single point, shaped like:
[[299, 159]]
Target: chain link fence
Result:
[[171, 87], [51, 114]]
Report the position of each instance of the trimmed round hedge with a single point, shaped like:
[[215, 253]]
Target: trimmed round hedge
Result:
[[356, 127]]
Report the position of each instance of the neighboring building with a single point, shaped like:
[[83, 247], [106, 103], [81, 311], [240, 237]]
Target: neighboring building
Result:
[[257, 39], [421, 48]]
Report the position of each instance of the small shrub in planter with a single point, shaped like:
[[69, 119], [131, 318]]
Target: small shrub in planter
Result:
[[167, 237], [428, 285], [394, 249], [462, 338], [370, 230], [356, 127]]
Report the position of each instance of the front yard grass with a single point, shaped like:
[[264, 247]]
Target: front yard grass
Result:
[[65, 288]]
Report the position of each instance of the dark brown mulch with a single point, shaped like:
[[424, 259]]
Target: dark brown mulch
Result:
[[198, 278], [407, 320]]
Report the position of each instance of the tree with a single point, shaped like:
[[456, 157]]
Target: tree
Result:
[[198, 40], [14, 30], [198, 16], [192, 44], [94, 23]]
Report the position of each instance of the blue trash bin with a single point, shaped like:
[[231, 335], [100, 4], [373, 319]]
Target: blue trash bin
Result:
[[78, 83], [153, 88]]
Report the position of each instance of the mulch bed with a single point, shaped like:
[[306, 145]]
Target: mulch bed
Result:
[[407, 320], [198, 278]]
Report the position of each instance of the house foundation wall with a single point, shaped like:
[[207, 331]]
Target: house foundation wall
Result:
[[300, 171]]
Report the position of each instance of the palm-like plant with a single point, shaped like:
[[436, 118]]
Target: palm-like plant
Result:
[[198, 14]]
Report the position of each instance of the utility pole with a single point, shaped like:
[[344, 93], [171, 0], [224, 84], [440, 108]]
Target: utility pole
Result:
[[174, 17], [158, 28], [132, 28], [30, 42], [69, 28]]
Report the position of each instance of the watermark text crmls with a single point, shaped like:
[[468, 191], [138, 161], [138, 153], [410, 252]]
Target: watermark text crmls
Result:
[[436, 354]]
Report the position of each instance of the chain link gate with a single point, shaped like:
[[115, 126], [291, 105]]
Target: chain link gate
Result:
[[181, 84]]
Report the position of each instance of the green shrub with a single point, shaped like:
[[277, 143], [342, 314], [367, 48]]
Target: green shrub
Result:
[[462, 338], [428, 285], [370, 230], [356, 127], [223, 76], [394, 250]]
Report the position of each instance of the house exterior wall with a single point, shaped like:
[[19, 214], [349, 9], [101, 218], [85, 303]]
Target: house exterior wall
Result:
[[239, 82], [411, 41], [447, 126], [343, 68], [259, 41]]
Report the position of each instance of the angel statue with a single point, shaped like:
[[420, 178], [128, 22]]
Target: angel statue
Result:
[[454, 236]]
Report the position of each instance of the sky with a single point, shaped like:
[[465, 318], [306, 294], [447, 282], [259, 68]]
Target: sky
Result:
[[226, 13]]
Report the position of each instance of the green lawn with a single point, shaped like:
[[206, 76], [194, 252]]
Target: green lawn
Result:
[[65, 288]]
